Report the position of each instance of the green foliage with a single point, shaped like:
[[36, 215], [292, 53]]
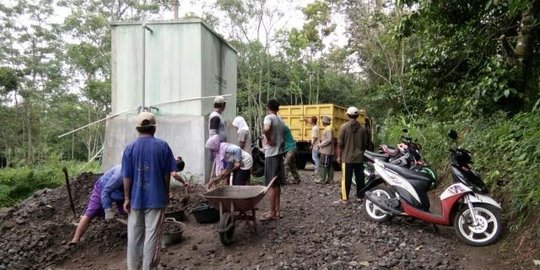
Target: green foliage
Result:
[[451, 59], [18, 183], [506, 151], [8, 80]]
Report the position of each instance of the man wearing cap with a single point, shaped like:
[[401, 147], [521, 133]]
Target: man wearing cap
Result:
[[326, 148], [216, 123], [147, 165], [352, 141]]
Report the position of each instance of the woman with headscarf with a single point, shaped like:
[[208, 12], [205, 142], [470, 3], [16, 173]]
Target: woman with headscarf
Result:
[[244, 138], [229, 158]]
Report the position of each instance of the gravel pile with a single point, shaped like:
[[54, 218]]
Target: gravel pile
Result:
[[34, 234], [314, 234]]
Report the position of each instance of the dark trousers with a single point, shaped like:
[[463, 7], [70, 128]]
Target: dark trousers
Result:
[[241, 177], [347, 170]]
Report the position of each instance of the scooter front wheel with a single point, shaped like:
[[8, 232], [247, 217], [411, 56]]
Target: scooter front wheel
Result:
[[373, 211], [485, 231]]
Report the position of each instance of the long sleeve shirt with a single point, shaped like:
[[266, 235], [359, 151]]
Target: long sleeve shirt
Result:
[[112, 187], [327, 143]]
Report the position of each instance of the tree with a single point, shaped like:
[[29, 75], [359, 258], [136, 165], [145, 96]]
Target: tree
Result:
[[31, 47], [445, 58], [88, 57], [317, 27], [250, 24]]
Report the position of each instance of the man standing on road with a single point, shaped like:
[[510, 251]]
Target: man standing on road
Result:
[[273, 131], [315, 143], [147, 164], [326, 148], [352, 141], [216, 122], [290, 155]]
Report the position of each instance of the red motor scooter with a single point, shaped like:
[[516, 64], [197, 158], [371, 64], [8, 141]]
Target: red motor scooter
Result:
[[475, 216]]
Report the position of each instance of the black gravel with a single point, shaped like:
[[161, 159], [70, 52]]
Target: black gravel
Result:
[[315, 234]]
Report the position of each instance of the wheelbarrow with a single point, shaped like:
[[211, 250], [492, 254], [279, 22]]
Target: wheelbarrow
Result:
[[235, 203]]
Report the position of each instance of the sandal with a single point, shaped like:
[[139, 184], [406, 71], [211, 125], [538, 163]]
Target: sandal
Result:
[[267, 216], [71, 244], [338, 202]]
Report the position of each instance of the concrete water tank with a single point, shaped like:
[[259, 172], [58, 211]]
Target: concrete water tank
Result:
[[163, 61]]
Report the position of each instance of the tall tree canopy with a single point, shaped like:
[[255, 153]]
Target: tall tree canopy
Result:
[[437, 59]]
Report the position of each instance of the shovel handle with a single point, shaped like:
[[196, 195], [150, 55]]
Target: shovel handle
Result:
[[68, 187], [123, 221]]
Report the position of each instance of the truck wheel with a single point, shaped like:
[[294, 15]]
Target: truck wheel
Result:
[[300, 163]]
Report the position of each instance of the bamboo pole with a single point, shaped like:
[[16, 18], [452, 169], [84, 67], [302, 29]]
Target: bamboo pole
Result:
[[153, 105]]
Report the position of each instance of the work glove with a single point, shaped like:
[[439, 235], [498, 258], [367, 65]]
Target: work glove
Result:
[[109, 214]]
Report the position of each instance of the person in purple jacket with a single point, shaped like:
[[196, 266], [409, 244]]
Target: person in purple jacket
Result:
[[147, 165], [107, 189]]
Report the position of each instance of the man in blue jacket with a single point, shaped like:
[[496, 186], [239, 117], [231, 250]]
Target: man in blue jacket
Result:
[[107, 189]]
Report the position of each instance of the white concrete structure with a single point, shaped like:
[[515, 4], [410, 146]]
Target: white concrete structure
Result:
[[175, 60]]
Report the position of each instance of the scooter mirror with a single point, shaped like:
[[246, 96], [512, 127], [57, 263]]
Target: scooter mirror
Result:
[[452, 134]]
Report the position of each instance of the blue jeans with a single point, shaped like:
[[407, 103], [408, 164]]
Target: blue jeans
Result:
[[315, 158]]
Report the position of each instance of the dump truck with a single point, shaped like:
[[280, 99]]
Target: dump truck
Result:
[[297, 118]]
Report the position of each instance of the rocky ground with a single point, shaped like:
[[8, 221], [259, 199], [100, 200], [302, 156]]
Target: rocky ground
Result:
[[312, 234]]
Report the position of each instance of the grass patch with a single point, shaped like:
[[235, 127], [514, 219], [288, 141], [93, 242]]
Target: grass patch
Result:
[[17, 184]]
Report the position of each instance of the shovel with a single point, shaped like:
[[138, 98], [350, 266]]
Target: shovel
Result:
[[121, 220], [69, 192]]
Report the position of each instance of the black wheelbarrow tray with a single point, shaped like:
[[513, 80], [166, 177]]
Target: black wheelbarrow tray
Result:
[[235, 203]]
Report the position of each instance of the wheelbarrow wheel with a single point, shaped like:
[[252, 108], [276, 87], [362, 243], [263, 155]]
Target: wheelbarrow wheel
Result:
[[226, 229]]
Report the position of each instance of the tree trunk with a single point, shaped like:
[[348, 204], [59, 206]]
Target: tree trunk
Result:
[[175, 5], [318, 86], [30, 157]]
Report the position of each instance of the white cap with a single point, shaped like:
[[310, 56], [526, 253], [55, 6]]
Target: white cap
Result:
[[219, 100], [146, 119], [352, 111]]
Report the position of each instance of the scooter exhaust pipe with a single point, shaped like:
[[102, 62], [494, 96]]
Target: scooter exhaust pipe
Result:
[[383, 203]]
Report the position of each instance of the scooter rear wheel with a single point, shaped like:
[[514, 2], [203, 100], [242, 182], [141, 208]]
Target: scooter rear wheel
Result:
[[373, 211], [488, 229]]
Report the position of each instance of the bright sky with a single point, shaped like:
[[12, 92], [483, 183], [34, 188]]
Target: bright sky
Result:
[[292, 17]]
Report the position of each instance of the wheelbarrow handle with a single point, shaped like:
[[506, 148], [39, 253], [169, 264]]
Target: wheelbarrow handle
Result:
[[270, 184]]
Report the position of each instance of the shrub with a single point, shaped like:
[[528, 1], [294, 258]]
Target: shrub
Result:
[[19, 183]]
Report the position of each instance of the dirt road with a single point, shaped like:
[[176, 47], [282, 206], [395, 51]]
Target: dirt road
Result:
[[313, 234]]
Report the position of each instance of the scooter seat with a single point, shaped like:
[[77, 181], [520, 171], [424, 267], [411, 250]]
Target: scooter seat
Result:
[[409, 174], [373, 155]]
